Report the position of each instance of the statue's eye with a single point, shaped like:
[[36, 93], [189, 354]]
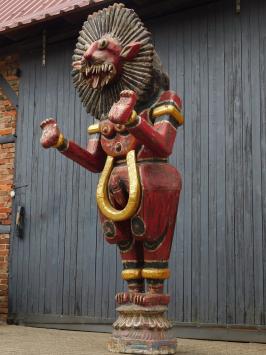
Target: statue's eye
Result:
[[103, 43]]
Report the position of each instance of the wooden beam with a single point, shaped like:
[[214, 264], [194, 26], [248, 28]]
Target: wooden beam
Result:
[[11, 138], [5, 229], [9, 92]]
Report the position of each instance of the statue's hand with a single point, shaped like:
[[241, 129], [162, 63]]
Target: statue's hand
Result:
[[121, 110], [50, 134]]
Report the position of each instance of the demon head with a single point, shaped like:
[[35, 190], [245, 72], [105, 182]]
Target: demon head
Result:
[[102, 62], [113, 53]]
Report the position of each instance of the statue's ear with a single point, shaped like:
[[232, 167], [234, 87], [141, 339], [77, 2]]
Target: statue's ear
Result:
[[130, 50]]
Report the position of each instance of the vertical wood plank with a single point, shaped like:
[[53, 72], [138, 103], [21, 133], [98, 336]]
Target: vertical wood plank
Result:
[[195, 181], [263, 142], [256, 158], [229, 167], [212, 165], [178, 58], [33, 194], [238, 178], [220, 167], [75, 135], [62, 116], [175, 72], [187, 170], [204, 182], [52, 202], [38, 272], [43, 189], [93, 250], [27, 197], [69, 168], [247, 166]]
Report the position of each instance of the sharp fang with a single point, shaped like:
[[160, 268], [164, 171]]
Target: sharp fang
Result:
[[95, 81]]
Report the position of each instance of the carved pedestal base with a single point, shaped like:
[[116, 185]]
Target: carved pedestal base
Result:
[[142, 330]]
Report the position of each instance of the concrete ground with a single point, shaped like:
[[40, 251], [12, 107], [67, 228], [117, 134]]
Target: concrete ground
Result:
[[18, 340]]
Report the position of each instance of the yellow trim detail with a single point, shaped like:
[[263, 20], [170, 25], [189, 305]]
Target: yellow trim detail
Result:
[[94, 128], [132, 119], [160, 274], [168, 110], [131, 274], [134, 190], [60, 141]]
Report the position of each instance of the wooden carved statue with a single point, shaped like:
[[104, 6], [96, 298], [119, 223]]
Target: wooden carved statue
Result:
[[120, 81]]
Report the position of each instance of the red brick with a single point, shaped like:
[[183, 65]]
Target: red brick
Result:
[[6, 187], [8, 114], [5, 131], [5, 209], [3, 241], [7, 222]]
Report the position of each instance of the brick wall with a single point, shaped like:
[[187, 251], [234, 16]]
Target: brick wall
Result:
[[8, 66]]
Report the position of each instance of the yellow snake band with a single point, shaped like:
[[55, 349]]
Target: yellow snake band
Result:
[[134, 190]]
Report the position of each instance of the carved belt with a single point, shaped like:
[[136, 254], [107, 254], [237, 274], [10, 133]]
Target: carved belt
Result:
[[134, 190]]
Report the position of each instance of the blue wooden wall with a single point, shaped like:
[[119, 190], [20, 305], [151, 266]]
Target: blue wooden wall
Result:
[[216, 60]]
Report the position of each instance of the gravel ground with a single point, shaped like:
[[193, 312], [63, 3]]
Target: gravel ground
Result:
[[19, 340]]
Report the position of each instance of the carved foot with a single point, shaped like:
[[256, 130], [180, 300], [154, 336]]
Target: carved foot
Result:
[[149, 299], [122, 297]]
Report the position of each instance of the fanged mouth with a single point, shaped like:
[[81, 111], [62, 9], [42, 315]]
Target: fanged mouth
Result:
[[98, 75]]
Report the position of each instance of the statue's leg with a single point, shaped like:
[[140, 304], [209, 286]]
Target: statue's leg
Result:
[[154, 224], [157, 244], [132, 259], [156, 255], [131, 252], [120, 233]]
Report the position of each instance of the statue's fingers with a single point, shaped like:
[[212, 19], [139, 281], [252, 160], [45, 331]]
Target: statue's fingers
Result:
[[47, 121]]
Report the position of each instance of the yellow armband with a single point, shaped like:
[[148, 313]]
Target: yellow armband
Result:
[[168, 109], [94, 128]]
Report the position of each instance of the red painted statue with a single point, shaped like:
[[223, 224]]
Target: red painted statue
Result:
[[120, 80]]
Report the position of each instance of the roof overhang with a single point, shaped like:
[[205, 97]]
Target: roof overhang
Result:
[[23, 24]]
